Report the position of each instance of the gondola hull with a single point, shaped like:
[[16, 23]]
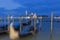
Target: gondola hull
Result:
[[28, 30]]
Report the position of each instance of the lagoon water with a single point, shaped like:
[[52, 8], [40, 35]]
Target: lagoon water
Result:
[[41, 7], [43, 34]]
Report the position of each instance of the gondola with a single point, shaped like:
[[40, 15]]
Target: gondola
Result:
[[27, 28], [24, 23], [3, 28]]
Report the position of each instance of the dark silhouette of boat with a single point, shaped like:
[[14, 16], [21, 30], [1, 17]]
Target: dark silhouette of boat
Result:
[[3, 28]]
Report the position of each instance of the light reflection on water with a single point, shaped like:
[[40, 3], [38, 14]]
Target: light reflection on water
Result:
[[44, 34]]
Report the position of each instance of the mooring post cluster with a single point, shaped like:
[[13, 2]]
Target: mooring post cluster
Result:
[[35, 19]]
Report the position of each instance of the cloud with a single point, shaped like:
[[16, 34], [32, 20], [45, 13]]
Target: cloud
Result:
[[9, 4]]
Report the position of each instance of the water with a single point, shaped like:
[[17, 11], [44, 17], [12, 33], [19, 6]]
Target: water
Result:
[[44, 34]]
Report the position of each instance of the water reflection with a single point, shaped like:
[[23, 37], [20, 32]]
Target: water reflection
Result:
[[44, 34]]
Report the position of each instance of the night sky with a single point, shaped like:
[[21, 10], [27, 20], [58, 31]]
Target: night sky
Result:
[[18, 7]]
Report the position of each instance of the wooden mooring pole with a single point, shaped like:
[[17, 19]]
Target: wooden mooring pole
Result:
[[41, 23], [8, 22], [0, 19], [51, 25], [35, 22], [20, 19], [5, 22]]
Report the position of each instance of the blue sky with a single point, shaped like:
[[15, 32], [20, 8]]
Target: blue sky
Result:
[[18, 7]]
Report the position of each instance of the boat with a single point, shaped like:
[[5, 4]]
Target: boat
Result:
[[3, 28], [29, 29], [24, 23], [26, 29], [4, 25]]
